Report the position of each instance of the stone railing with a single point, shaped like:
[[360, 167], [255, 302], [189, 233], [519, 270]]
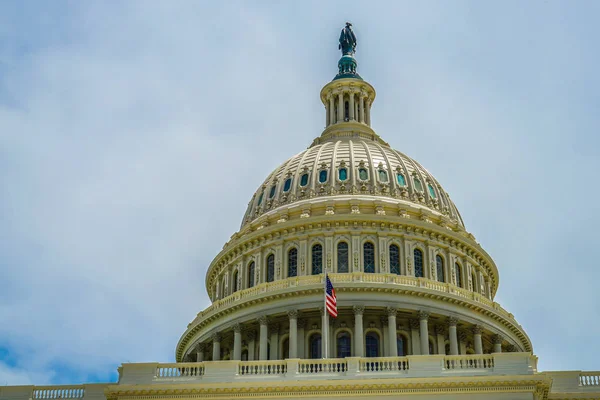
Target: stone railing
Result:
[[354, 277], [589, 379], [574, 381], [92, 391], [59, 392], [340, 368]]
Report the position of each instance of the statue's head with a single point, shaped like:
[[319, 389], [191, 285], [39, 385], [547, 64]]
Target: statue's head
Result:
[[348, 24]]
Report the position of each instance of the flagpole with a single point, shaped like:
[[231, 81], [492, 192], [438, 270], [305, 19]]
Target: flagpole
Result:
[[325, 314]]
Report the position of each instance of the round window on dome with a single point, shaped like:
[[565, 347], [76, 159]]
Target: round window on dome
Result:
[[418, 184], [287, 185], [401, 180], [431, 191], [343, 174], [272, 192], [363, 174], [323, 176], [383, 176], [304, 180]]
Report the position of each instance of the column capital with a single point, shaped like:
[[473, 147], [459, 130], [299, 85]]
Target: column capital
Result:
[[452, 321], [497, 339], [384, 320], [263, 320], [391, 311], [414, 323], [216, 337], [200, 347], [274, 327], [439, 330], [251, 335], [237, 328], [358, 310], [293, 314], [477, 329], [423, 315], [462, 336], [511, 348], [301, 323]]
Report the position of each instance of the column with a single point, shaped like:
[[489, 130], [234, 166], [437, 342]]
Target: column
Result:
[[301, 338], [251, 337], [263, 340], [362, 108], [384, 336], [340, 116], [424, 332], [200, 352], [452, 322], [274, 331], [414, 337], [368, 112], [216, 356], [462, 342], [477, 339], [439, 334], [331, 109], [392, 340], [359, 350], [497, 339], [327, 117], [237, 342], [351, 106], [293, 339]]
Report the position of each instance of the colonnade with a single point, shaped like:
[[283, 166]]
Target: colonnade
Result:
[[359, 106], [419, 337]]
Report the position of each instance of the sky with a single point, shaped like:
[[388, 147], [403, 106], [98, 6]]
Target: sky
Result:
[[134, 133]]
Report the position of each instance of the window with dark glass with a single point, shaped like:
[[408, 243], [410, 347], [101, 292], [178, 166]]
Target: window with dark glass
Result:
[[474, 280], [457, 271], [272, 192], [372, 344], [315, 345], [363, 174], [346, 111], [394, 259], [285, 349], [260, 198], [402, 345], [317, 259], [343, 174], [401, 180], [251, 274], [292, 262], [342, 257], [418, 256], [344, 345], [431, 191], [383, 176], [418, 185], [287, 185], [322, 176], [439, 263], [270, 268], [431, 348], [235, 281], [304, 180], [369, 257]]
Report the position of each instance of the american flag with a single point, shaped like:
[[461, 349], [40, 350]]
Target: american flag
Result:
[[330, 299]]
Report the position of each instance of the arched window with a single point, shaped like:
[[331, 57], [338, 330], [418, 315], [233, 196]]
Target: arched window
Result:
[[322, 176], [270, 268], [418, 184], [260, 198], [439, 263], [287, 185], [315, 345], [235, 281], [383, 175], [363, 174], [372, 344], [431, 191], [457, 271], [272, 192], [474, 281], [342, 257], [251, 274], [317, 259], [402, 345], [304, 180], [369, 257], [343, 174], [401, 180], [285, 349], [292, 262], [418, 255], [394, 259], [346, 111], [344, 345]]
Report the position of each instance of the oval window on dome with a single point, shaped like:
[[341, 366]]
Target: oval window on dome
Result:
[[401, 180], [343, 174], [287, 185], [272, 192], [323, 176], [418, 185], [304, 180], [383, 175], [363, 174], [431, 191]]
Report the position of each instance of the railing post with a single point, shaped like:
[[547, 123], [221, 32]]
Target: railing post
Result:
[[292, 367], [353, 366]]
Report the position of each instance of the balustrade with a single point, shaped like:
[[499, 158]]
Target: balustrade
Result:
[[326, 366], [262, 368], [481, 361], [72, 392], [383, 364], [589, 379], [179, 370]]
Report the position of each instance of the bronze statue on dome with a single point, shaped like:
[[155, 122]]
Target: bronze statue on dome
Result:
[[347, 40]]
